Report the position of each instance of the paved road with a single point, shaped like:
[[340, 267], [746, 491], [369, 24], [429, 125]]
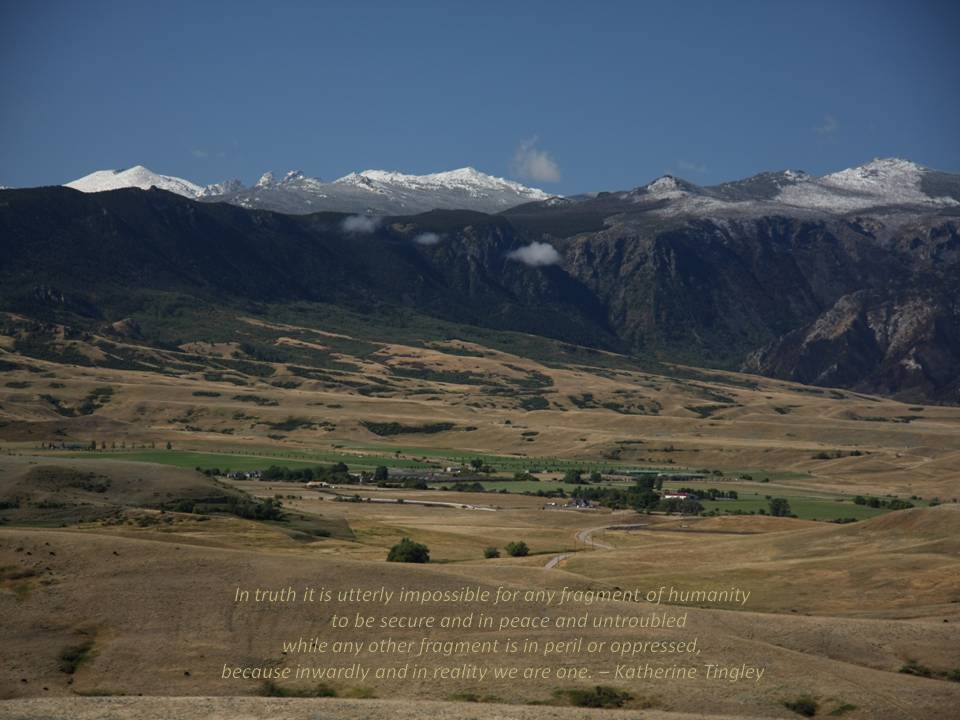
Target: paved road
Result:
[[556, 560]]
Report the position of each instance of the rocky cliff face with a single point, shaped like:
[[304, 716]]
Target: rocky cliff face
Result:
[[907, 346], [898, 335]]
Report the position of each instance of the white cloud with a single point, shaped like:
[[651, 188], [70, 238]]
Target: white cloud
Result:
[[829, 125], [360, 224], [530, 163], [536, 254], [200, 153], [427, 238]]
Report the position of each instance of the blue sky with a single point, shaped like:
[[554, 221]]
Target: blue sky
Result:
[[569, 96]]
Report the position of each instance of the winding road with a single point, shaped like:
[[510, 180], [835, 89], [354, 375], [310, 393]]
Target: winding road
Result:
[[585, 536]]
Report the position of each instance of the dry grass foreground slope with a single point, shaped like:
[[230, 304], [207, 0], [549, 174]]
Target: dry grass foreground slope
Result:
[[157, 615], [172, 708]]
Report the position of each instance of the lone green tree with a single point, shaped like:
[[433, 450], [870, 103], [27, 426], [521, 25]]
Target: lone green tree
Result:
[[573, 477], [381, 474], [518, 549], [409, 551], [780, 507]]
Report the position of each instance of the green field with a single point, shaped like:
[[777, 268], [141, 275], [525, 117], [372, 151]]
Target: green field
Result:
[[752, 495], [369, 455], [804, 506], [513, 463]]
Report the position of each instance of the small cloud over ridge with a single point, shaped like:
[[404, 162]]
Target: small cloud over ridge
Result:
[[360, 224], [531, 163], [427, 238], [536, 254]]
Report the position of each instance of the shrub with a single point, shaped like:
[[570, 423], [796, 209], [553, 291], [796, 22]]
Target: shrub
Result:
[[898, 504], [271, 689], [518, 549], [842, 710], [491, 552], [473, 697], [803, 705], [912, 667], [73, 656], [600, 696], [409, 551], [384, 429]]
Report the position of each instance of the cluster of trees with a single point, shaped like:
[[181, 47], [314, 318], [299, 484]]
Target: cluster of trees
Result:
[[381, 476], [891, 504], [480, 465], [468, 487], [103, 445], [336, 473], [578, 477], [711, 493], [780, 507], [557, 493], [618, 498], [641, 496], [245, 507]]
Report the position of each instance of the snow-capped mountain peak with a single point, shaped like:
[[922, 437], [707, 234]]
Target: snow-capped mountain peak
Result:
[[383, 192], [378, 192], [878, 175], [668, 186], [266, 180], [465, 179], [222, 188], [137, 176], [880, 182], [888, 183]]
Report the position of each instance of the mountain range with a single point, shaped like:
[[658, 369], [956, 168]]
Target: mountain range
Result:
[[881, 183], [372, 192], [847, 280]]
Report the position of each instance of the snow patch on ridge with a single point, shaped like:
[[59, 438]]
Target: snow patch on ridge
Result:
[[887, 181], [467, 179], [138, 177]]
